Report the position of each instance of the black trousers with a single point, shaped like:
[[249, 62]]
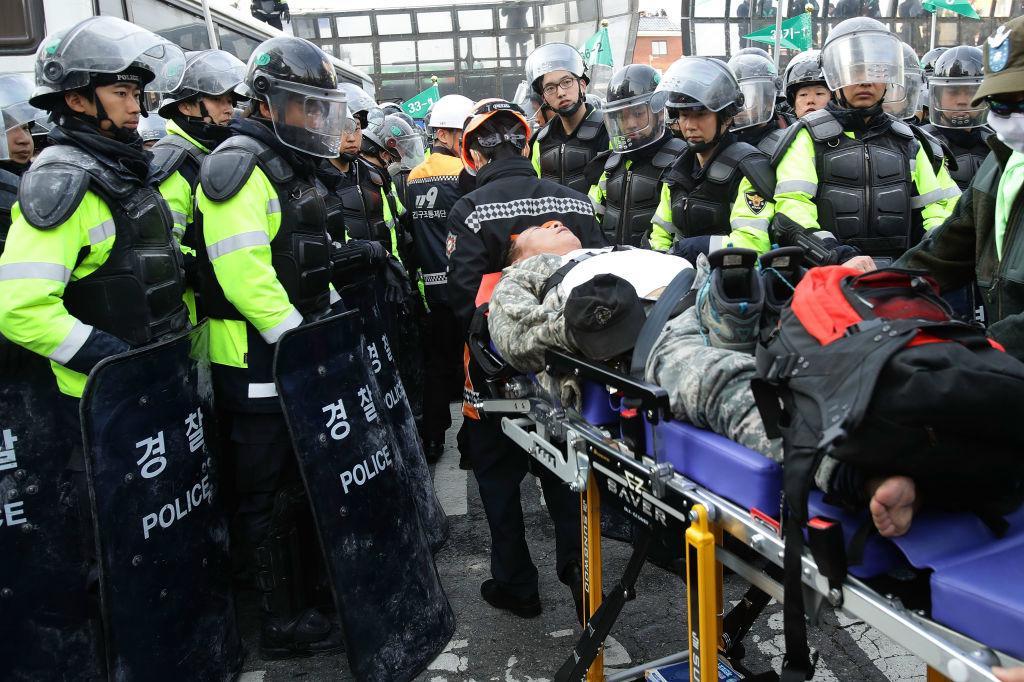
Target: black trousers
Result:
[[500, 466], [443, 352]]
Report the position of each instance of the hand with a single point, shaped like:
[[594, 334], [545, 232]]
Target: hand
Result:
[[396, 282], [861, 263], [1009, 674]]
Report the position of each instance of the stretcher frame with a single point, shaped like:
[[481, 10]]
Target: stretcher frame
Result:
[[582, 454]]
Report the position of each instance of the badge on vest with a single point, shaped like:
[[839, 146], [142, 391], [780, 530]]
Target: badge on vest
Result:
[[755, 202], [449, 245], [998, 49]]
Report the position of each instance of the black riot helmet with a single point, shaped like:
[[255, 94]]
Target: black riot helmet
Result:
[[760, 52], [803, 70], [633, 113], [929, 58], [697, 83], [297, 82], [952, 87], [207, 72]]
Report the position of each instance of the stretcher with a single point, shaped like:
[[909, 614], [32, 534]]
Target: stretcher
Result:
[[962, 609]]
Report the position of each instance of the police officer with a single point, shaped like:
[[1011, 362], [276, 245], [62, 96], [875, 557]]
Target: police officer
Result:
[[197, 114], [718, 191], [16, 147], [509, 198], [92, 270], [759, 82], [264, 266], [901, 101], [954, 120], [374, 151], [804, 84], [403, 145], [433, 189], [927, 69], [576, 134], [984, 238], [629, 187], [852, 180]]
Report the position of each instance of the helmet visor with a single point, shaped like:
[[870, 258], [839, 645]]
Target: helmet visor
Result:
[[758, 103], [308, 119], [635, 122], [111, 45], [863, 58], [698, 80], [553, 57], [901, 100], [214, 72], [356, 98], [15, 116], [523, 99], [949, 103]]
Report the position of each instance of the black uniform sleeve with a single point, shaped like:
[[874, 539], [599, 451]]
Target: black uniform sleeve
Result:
[[591, 235], [468, 262]]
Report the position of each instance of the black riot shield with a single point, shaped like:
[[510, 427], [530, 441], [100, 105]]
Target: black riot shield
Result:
[[161, 535], [380, 356], [47, 629], [393, 610]]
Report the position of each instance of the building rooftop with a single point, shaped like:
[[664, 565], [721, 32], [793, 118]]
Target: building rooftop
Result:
[[657, 24]]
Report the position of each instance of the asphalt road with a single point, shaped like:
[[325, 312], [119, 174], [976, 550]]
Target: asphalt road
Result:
[[494, 645]]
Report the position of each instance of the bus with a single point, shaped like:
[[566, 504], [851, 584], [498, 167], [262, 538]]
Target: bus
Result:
[[27, 22]]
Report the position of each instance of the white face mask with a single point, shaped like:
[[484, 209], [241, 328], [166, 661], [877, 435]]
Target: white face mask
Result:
[[1009, 129]]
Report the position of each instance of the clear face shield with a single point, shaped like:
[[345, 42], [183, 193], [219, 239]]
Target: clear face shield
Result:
[[949, 103], [901, 100], [214, 72], [693, 79], [863, 58], [636, 122], [525, 101], [403, 141], [310, 120], [15, 116], [758, 103]]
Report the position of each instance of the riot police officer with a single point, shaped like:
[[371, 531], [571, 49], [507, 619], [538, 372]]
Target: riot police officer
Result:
[[953, 118], [903, 100], [433, 188], [197, 114], [629, 187], [718, 191], [804, 84], [927, 69], [851, 179], [756, 120], [77, 260], [264, 266], [16, 145], [576, 134], [403, 147]]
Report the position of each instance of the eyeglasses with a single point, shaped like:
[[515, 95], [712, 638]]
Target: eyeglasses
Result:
[[564, 84], [1001, 108]]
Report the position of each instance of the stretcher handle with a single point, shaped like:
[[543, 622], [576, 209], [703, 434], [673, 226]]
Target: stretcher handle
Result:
[[653, 399]]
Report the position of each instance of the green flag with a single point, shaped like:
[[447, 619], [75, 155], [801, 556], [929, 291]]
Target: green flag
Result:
[[961, 7], [598, 50], [796, 33], [418, 105]]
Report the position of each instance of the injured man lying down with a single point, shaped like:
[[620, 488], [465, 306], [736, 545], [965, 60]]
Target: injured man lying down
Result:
[[703, 358]]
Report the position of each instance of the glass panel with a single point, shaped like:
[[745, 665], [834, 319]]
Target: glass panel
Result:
[[514, 49], [359, 55], [618, 36], [180, 27], [552, 37], [304, 27], [328, 48], [588, 10], [552, 15], [111, 8], [397, 88], [509, 85], [476, 20], [436, 54], [479, 87], [611, 7], [353, 25], [516, 16], [324, 26], [477, 53], [398, 56], [574, 11], [1003, 8], [432, 22], [579, 34], [393, 24], [237, 44], [709, 39]]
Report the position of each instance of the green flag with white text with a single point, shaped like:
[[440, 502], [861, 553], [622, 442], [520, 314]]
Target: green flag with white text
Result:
[[418, 105], [796, 33], [961, 7], [598, 50]]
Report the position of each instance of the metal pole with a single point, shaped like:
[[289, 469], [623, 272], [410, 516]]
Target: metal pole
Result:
[[211, 31], [778, 35], [935, 23]]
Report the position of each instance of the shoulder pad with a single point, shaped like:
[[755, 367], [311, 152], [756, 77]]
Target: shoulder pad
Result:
[[591, 126], [786, 137], [610, 160], [770, 141], [9, 181], [936, 150], [545, 129], [373, 173], [728, 161], [605, 162], [225, 172], [270, 162], [822, 125], [668, 153], [168, 155], [758, 169], [902, 129], [53, 187]]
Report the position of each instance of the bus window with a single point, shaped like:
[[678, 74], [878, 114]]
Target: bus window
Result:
[[234, 42], [22, 28], [111, 8], [180, 27]]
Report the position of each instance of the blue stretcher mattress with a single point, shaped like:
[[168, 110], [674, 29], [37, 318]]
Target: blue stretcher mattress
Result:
[[977, 580]]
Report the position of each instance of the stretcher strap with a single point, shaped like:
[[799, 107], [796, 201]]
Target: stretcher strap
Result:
[[600, 624], [676, 297]]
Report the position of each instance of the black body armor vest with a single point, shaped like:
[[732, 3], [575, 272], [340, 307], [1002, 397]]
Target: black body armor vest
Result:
[[565, 161], [301, 248], [361, 204], [135, 294], [966, 160], [8, 195], [633, 191]]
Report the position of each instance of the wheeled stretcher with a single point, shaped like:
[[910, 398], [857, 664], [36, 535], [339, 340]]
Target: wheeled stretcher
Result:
[[964, 615]]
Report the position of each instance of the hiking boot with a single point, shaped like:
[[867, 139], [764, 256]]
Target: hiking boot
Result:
[[500, 598], [781, 271], [307, 634], [730, 301]]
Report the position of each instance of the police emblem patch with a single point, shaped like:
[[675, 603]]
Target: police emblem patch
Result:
[[449, 245], [755, 202], [998, 49]]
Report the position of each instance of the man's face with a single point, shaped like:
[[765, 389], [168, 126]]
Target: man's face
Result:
[[19, 144], [552, 237], [634, 120], [219, 108], [450, 138], [561, 89], [864, 95], [957, 98], [120, 102], [352, 139], [810, 98], [698, 125]]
